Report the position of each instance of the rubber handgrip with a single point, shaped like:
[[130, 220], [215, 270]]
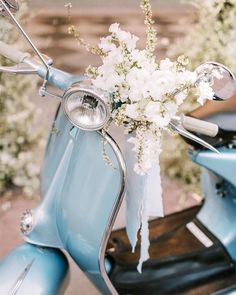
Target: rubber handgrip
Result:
[[200, 126], [12, 53]]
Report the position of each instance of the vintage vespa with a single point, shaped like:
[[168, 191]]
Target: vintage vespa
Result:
[[81, 196]]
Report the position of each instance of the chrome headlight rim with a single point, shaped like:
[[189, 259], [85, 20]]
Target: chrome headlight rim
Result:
[[91, 92]]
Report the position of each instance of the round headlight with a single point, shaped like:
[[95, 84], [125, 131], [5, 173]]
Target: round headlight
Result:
[[85, 109]]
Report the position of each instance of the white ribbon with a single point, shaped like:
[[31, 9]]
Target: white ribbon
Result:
[[143, 199]]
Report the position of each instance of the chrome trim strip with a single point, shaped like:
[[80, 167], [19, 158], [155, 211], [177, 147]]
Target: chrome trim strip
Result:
[[19, 69], [199, 234], [20, 279], [114, 212]]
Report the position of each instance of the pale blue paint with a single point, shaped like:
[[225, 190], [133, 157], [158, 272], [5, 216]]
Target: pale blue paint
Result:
[[46, 275], [80, 195], [218, 214]]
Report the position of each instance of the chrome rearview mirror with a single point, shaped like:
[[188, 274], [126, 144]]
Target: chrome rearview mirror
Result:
[[85, 108], [222, 80], [12, 5]]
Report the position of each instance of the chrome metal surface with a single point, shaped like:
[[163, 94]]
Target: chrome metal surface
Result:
[[114, 213], [176, 125], [85, 108], [12, 5], [225, 86], [8, 11], [21, 278], [27, 222], [43, 92], [18, 69], [199, 234], [35, 63]]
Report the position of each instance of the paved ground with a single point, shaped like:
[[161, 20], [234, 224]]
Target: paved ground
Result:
[[49, 29]]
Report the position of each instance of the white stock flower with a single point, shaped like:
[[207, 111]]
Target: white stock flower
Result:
[[171, 107], [114, 28], [137, 79], [129, 39], [205, 92], [187, 77], [132, 110], [109, 81], [106, 45], [155, 114], [163, 82], [140, 57], [180, 97], [166, 64]]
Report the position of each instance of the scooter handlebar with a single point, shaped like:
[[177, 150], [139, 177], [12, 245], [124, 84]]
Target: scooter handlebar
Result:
[[199, 126], [12, 53]]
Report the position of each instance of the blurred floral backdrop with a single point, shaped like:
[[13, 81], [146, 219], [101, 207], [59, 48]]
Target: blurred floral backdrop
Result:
[[18, 115], [213, 38]]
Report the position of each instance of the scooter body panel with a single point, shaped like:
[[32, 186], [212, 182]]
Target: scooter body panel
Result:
[[219, 188], [87, 203], [223, 164], [81, 196], [57, 158], [30, 269]]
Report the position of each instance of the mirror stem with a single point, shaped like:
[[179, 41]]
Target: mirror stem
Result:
[[29, 41]]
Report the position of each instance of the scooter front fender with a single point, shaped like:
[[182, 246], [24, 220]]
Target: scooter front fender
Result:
[[30, 269]]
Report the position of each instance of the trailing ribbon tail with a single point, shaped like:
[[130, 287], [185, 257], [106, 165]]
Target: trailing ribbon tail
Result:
[[143, 199]]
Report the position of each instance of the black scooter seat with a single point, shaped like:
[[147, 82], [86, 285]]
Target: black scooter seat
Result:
[[179, 262]]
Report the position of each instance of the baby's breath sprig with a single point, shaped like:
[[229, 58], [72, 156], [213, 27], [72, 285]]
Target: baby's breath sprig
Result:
[[72, 30], [119, 116], [105, 156], [91, 71], [140, 133], [150, 30], [182, 62]]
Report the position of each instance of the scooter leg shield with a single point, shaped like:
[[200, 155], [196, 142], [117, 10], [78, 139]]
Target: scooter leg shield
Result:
[[30, 269]]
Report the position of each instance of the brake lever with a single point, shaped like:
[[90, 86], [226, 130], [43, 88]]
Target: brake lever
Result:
[[28, 66], [176, 125], [18, 69]]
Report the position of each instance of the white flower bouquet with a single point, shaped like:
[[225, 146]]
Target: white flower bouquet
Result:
[[144, 95]]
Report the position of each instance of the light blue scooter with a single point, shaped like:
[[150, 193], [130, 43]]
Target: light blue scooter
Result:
[[81, 196]]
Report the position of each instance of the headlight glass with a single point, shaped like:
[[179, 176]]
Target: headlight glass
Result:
[[85, 109]]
